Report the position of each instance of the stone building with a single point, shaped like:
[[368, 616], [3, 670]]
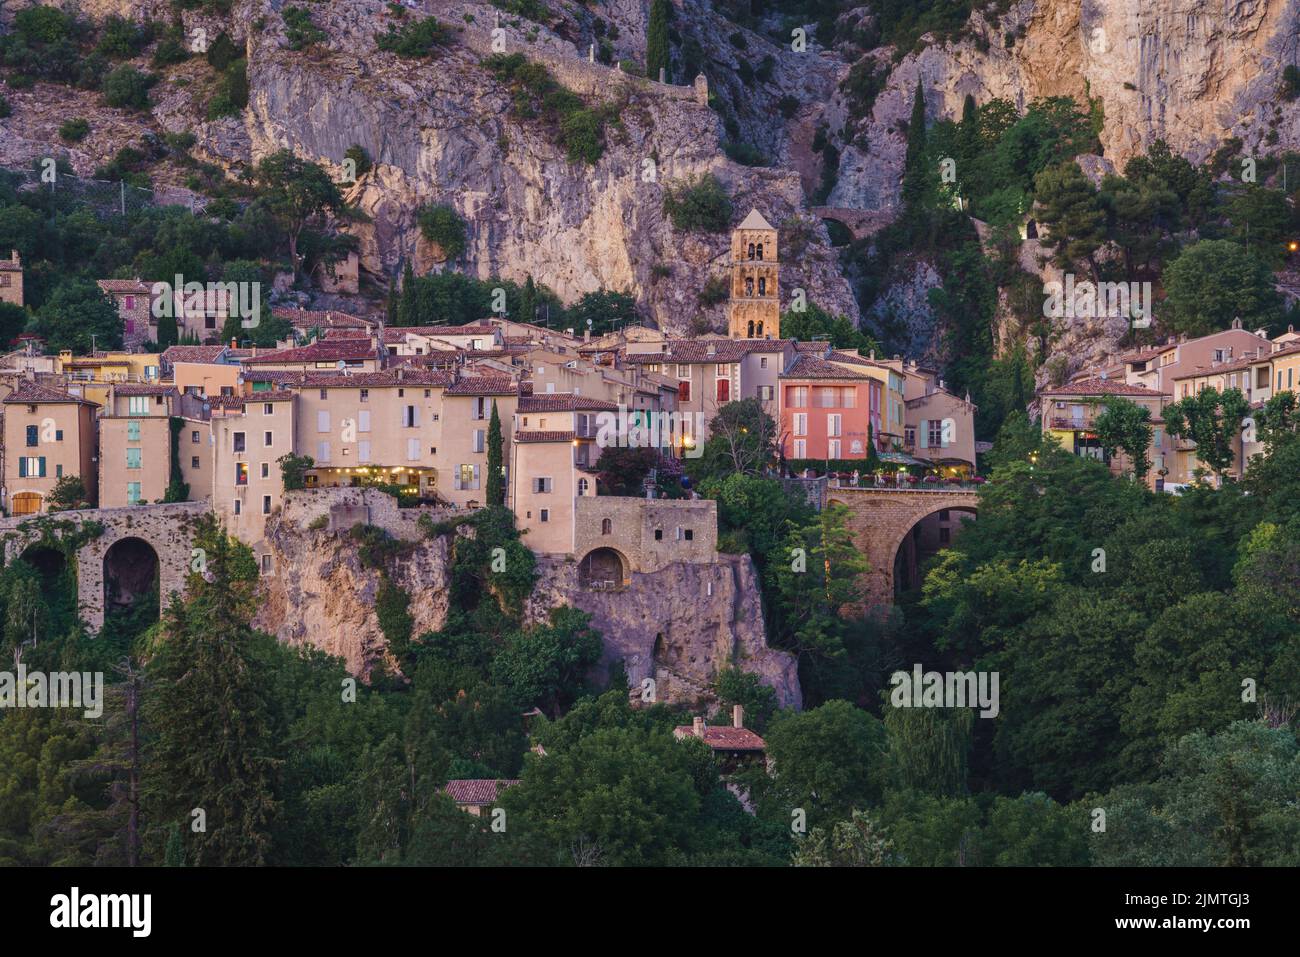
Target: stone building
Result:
[[11, 280], [135, 444], [755, 309], [134, 304], [48, 433]]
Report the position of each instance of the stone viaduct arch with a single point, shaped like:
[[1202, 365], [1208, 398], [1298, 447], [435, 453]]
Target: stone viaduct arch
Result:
[[167, 529], [881, 519]]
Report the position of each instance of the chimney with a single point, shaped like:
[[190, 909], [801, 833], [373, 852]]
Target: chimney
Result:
[[698, 727], [712, 349], [737, 715], [234, 343]]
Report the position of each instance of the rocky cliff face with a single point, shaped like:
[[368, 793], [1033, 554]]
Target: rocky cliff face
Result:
[[680, 626]]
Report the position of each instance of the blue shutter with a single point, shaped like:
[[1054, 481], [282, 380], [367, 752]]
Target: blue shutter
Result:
[[22, 468], [923, 438], [42, 467]]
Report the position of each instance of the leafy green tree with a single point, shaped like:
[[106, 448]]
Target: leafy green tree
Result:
[[296, 192], [1212, 420], [742, 440], [857, 842], [1211, 283], [829, 761], [1219, 800], [128, 87], [623, 471], [603, 311], [496, 486], [78, 316], [1123, 424], [294, 469], [929, 749], [618, 796], [208, 712], [547, 666], [814, 322]]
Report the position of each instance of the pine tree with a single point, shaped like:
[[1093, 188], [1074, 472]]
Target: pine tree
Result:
[[496, 492], [208, 714], [656, 40]]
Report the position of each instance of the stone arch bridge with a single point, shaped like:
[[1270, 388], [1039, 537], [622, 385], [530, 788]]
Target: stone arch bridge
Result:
[[117, 549], [883, 519]]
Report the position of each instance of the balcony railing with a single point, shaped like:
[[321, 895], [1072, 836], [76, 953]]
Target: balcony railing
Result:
[[1069, 422]]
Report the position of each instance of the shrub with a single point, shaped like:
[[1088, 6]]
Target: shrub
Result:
[[299, 29], [74, 131], [698, 204], [232, 91], [579, 129], [5, 108], [716, 289], [414, 40], [442, 225], [128, 88], [360, 159], [745, 154], [1290, 82]]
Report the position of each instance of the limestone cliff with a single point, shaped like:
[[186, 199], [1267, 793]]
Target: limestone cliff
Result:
[[681, 625]]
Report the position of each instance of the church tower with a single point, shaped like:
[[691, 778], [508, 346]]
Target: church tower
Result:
[[755, 310]]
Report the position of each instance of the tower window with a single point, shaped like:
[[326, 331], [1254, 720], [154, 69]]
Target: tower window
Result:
[[760, 250]]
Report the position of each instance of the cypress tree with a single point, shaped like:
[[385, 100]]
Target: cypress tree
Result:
[[656, 40], [406, 307], [913, 175], [528, 301], [496, 491]]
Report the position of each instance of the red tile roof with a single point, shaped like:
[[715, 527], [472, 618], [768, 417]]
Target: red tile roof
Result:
[[549, 436], [131, 388], [725, 737], [124, 287], [564, 402], [688, 351], [201, 354], [809, 366], [325, 350], [30, 393], [485, 385], [1101, 387], [477, 791], [329, 320]]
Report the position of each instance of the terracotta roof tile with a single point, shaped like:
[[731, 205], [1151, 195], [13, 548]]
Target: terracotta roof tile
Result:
[[479, 791], [202, 354], [808, 366], [725, 737], [565, 402], [124, 287], [327, 320], [1101, 387], [30, 393], [485, 385], [325, 350], [548, 436]]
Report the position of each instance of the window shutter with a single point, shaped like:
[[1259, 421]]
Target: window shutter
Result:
[[22, 468], [476, 476], [322, 421], [948, 436], [42, 467], [363, 420], [455, 479], [363, 451], [923, 436]]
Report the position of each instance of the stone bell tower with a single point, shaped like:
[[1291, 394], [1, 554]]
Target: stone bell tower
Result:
[[755, 310]]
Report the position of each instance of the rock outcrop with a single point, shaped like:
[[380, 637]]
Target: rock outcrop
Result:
[[679, 626]]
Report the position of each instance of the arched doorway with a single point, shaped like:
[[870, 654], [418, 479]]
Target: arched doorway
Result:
[[49, 562], [130, 574], [603, 568], [926, 537]]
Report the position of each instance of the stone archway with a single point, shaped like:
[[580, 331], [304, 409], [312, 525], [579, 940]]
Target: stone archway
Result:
[[880, 519], [131, 568], [603, 568], [912, 550], [166, 530]]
